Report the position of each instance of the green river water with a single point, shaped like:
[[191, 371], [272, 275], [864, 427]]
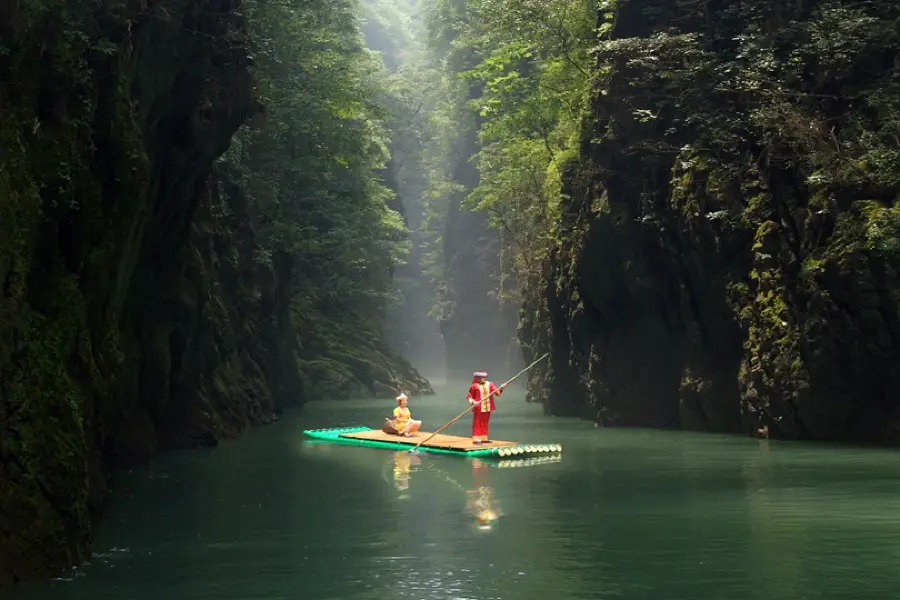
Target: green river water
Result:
[[626, 514]]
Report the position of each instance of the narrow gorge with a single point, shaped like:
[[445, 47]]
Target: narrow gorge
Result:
[[215, 210]]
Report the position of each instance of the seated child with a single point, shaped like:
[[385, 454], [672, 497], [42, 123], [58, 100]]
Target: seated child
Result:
[[403, 423]]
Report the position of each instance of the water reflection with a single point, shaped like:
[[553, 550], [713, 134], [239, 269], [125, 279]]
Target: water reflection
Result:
[[482, 502], [403, 462], [480, 497]]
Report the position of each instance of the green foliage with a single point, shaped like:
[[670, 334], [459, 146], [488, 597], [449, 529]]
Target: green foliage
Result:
[[311, 171], [782, 80], [531, 63], [59, 72], [390, 27], [749, 156]]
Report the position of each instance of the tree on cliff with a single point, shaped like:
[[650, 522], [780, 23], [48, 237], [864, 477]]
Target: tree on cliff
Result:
[[464, 255], [311, 173], [533, 68]]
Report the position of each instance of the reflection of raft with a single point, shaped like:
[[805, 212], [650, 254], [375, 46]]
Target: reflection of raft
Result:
[[528, 461], [439, 444]]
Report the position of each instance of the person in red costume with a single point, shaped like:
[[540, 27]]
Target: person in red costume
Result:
[[481, 397]]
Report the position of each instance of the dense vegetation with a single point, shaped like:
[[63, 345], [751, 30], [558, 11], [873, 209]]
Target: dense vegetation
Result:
[[464, 256], [526, 68], [697, 202], [312, 176], [395, 29], [155, 292]]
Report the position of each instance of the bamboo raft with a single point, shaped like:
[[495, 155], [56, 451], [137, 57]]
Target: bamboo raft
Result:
[[439, 444]]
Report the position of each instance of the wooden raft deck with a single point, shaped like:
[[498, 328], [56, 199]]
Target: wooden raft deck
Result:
[[442, 441]]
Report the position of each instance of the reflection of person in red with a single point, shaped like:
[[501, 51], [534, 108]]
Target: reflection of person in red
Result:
[[481, 397], [482, 504]]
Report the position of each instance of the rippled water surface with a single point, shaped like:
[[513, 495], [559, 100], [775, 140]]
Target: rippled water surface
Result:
[[625, 514]]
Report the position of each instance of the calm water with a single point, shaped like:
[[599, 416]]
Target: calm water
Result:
[[625, 514]]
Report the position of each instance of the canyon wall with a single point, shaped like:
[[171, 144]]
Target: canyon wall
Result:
[[731, 255]]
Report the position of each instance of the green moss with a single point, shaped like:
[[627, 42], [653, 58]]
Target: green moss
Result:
[[737, 292], [882, 226], [50, 370], [20, 209], [868, 226], [683, 197], [774, 365], [812, 266], [47, 489], [763, 234], [47, 437]]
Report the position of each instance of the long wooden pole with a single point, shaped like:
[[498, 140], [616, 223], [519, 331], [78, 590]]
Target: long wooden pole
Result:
[[463, 413]]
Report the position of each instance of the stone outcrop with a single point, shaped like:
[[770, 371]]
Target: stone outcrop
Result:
[[112, 119]]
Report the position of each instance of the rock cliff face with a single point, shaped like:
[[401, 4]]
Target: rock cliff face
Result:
[[732, 264], [108, 287], [135, 314]]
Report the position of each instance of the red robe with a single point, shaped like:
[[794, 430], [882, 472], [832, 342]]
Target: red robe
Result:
[[481, 412]]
